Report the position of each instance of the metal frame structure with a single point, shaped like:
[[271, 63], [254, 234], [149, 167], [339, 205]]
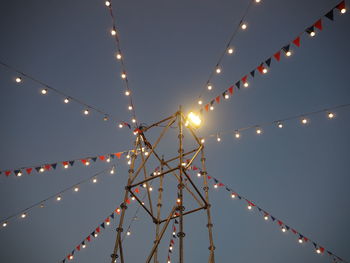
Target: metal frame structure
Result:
[[185, 185]]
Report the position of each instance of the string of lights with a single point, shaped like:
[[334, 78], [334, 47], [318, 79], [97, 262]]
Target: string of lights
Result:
[[263, 67], [120, 57], [172, 241], [267, 216], [228, 50], [66, 99], [44, 167], [23, 214], [304, 118]]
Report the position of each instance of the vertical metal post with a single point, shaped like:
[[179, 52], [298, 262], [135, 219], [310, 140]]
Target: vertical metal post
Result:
[[181, 207], [159, 206], [210, 224]]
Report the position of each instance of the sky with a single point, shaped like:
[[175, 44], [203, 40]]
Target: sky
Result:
[[299, 173]]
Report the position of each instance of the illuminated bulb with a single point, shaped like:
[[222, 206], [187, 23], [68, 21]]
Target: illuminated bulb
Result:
[[154, 173], [244, 26], [4, 224], [257, 1], [127, 92], [87, 163], [318, 251], [280, 125], [230, 50], [120, 125], [95, 235], [76, 189], [66, 100], [218, 139], [233, 196], [112, 171], [70, 257], [218, 70], [237, 135], [194, 119], [84, 246], [199, 174], [86, 112], [146, 153], [107, 3], [41, 170], [264, 70], [174, 233], [133, 198], [107, 223], [200, 102], [65, 166], [171, 247], [150, 188], [212, 107], [312, 33], [133, 120], [18, 80], [283, 229], [249, 207], [128, 233], [113, 32], [210, 87], [246, 84], [19, 173], [168, 261], [128, 156], [144, 185], [258, 131], [343, 10], [58, 198], [105, 118], [44, 91], [130, 108], [266, 217], [108, 160], [178, 200], [24, 215], [129, 162], [227, 96], [42, 206], [288, 53], [203, 140], [215, 186], [94, 180], [304, 121], [123, 76], [330, 115], [119, 56], [300, 240]]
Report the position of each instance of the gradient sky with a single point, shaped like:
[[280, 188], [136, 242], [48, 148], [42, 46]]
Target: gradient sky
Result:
[[299, 174]]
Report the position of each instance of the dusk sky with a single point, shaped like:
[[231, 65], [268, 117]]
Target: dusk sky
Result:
[[299, 174]]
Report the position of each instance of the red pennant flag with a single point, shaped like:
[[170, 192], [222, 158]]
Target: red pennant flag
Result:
[[29, 170], [207, 107], [7, 173], [277, 57], [280, 222], [231, 90], [261, 68], [78, 247], [47, 167], [218, 99], [102, 157], [107, 220], [341, 6], [64, 163], [297, 41], [174, 228], [221, 184], [321, 249], [244, 79], [318, 24], [137, 190], [98, 230], [172, 242], [306, 239], [83, 161], [88, 238], [117, 211], [209, 177], [118, 154], [128, 201], [294, 231], [195, 168]]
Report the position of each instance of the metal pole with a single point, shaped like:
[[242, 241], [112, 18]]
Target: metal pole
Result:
[[159, 206], [181, 207]]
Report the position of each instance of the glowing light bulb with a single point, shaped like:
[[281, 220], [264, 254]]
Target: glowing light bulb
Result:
[[44, 91], [318, 251], [129, 162], [244, 26], [107, 223], [94, 180], [202, 140], [283, 229], [174, 233], [151, 189], [84, 246], [266, 217], [264, 70], [237, 135], [144, 185], [128, 233], [230, 50], [280, 125], [120, 125], [58, 198], [246, 84], [227, 96], [233, 195], [218, 70], [258, 131], [211, 107], [24, 215], [304, 121], [257, 1], [249, 207], [200, 102], [118, 56], [330, 115], [42, 206], [178, 200], [87, 163], [194, 119], [76, 189], [66, 100], [218, 139], [19, 173], [65, 166], [130, 107], [343, 10], [4, 224], [41, 170], [18, 80], [171, 247], [215, 185], [300, 240], [70, 257], [105, 118], [127, 93], [146, 153], [107, 3], [199, 174], [133, 198], [312, 33], [113, 32], [123, 75], [209, 86], [108, 160], [95, 235], [86, 112], [112, 171], [133, 120], [128, 156]]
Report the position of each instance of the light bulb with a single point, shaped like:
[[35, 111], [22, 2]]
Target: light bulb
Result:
[[266, 217], [120, 125], [202, 140], [65, 166], [87, 163], [146, 153], [178, 200], [18, 80], [199, 174], [130, 107], [264, 70], [105, 118], [244, 26], [24, 215], [107, 223], [343, 10], [312, 33], [44, 91], [128, 233], [174, 233], [76, 189], [218, 139], [288, 53], [150, 189], [218, 70], [70, 257], [128, 156], [129, 162], [83, 246], [318, 251], [42, 206], [304, 121], [4, 224], [108, 160], [283, 229], [133, 120], [249, 207], [257, 1], [211, 107], [86, 112], [246, 84], [94, 180], [123, 75], [330, 115], [230, 50], [133, 198], [233, 196], [227, 96], [112, 171], [237, 135], [107, 3], [215, 185], [19, 173], [58, 198], [280, 125], [113, 32], [171, 247], [258, 131], [200, 102], [118, 56], [127, 93], [209, 86], [41, 170], [300, 240], [95, 235], [66, 100]]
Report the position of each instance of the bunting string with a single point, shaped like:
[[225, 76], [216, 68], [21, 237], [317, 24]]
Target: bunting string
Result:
[[172, 241], [304, 119], [121, 58], [301, 238], [23, 214], [66, 99], [263, 67]]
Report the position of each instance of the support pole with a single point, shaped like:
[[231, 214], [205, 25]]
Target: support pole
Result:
[[181, 207], [159, 206]]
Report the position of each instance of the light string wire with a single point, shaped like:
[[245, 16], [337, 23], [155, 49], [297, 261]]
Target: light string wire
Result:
[[229, 43], [120, 57], [67, 98], [279, 123], [23, 211], [310, 30], [319, 249]]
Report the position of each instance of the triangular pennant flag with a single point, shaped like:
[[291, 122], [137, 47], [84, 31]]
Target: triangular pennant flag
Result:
[[78, 247], [318, 24], [94, 159], [71, 163], [102, 157], [330, 15], [128, 201], [227, 189], [212, 102], [83, 161], [216, 180], [244, 79], [259, 209], [286, 48], [287, 227], [112, 215], [54, 165], [224, 94], [103, 225], [217, 99], [16, 172], [341, 6], [321, 249], [280, 222], [172, 242], [221, 184], [93, 233], [112, 155], [176, 222], [273, 218], [277, 56], [47, 167], [231, 90], [315, 245], [268, 62], [37, 169], [29, 170], [260, 68], [209, 177], [306, 239], [137, 190], [206, 107], [297, 41], [294, 231], [238, 84], [88, 238], [98, 230], [252, 73], [118, 155]]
